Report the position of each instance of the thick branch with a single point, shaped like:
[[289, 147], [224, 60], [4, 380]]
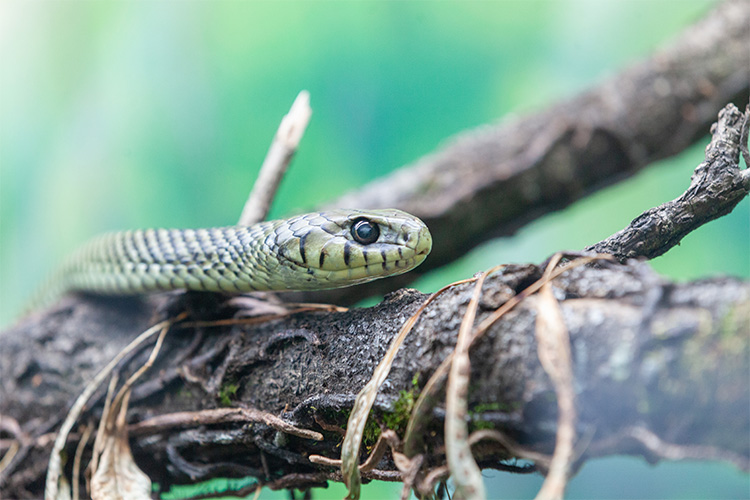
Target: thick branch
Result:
[[651, 358], [493, 180], [660, 367]]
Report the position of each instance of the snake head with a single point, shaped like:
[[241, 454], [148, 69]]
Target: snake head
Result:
[[345, 247]]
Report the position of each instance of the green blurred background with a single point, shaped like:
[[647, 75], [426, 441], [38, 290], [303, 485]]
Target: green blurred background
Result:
[[137, 114]]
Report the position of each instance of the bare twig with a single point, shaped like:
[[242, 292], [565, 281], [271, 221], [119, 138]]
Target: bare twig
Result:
[[671, 451], [439, 473], [10, 454], [510, 445], [101, 428], [409, 473], [77, 459], [381, 445], [11, 426], [171, 421], [277, 160], [717, 186]]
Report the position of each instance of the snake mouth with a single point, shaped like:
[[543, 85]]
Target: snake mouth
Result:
[[368, 272], [332, 254], [381, 260]]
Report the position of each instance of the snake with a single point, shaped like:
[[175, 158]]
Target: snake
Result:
[[314, 251]]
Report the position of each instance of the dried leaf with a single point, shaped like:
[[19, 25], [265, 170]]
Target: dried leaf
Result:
[[553, 346], [465, 472], [54, 468], [117, 477], [361, 410]]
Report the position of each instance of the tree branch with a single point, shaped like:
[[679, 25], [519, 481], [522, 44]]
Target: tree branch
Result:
[[717, 186], [493, 180], [670, 358], [659, 367], [279, 155]]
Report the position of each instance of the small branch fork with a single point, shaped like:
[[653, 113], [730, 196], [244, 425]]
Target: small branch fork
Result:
[[717, 186]]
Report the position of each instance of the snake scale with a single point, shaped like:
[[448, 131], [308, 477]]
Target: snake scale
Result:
[[313, 251]]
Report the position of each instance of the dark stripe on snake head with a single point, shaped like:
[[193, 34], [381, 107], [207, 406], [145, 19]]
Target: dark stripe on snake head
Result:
[[347, 252], [302, 247], [322, 258]]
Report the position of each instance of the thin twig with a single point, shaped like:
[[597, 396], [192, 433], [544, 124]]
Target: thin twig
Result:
[[186, 419], [375, 455], [13, 448], [282, 149], [101, 432], [716, 187], [672, 451], [510, 445], [76, 482], [384, 440], [410, 474], [125, 389], [432, 477], [11, 426]]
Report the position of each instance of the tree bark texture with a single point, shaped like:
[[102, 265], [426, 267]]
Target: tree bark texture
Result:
[[717, 186], [661, 368], [653, 357]]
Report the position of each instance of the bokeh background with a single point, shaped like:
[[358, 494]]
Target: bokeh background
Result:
[[119, 115]]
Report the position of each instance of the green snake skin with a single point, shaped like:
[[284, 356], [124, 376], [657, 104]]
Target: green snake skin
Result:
[[306, 252]]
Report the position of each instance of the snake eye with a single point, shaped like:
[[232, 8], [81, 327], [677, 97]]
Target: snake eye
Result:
[[365, 232]]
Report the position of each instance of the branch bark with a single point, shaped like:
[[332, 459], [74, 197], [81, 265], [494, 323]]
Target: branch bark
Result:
[[653, 362], [717, 186], [659, 367], [651, 358]]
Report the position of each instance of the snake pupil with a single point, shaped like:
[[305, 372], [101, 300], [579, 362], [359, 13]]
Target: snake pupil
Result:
[[365, 232]]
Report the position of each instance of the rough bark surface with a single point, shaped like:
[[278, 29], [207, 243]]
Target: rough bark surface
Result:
[[661, 368], [649, 356], [717, 186]]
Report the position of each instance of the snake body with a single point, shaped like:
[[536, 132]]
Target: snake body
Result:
[[313, 251]]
